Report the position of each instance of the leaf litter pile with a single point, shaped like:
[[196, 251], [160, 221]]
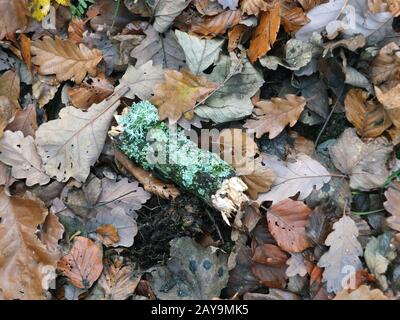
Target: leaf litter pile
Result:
[[306, 91]]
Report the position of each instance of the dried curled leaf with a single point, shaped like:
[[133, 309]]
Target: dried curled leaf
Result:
[[367, 116], [179, 93], [20, 153], [83, 264], [26, 262], [253, 7], [65, 59], [287, 222], [272, 116], [70, 145]]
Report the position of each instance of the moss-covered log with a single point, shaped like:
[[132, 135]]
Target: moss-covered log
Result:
[[153, 145]]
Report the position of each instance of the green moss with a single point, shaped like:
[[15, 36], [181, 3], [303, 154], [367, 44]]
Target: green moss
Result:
[[154, 146]]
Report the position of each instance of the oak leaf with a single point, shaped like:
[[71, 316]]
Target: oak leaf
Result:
[[83, 264], [65, 59], [265, 34], [344, 252], [365, 163], [274, 115], [20, 153], [287, 222], [70, 145], [179, 93], [367, 116], [26, 260]]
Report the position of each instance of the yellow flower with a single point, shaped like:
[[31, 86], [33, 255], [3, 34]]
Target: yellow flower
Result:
[[40, 8]]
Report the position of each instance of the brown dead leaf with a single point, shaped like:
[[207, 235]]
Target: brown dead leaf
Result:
[[391, 102], [253, 7], [386, 67], [25, 43], [265, 34], [392, 6], [235, 36], [392, 205], [292, 16], [25, 121], [269, 255], [83, 264], [309, 4], [118, 281], [208, 7], [211, 27], [287, 222], [149, 182], [7, 113], [363, 292], [44, 88], [90, 92], [10, 86], [76, 28], [273, 115], [25, 260], [179, 93], [14, 16], [65, 59], [367, 116], [107, 234]]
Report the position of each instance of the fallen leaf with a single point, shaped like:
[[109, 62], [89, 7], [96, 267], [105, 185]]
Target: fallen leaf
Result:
[[149, 182], [231, 4], [392, 205], [296, 265], [179, 93], [10, 86], [238, 82], [363, 292], [44, 89], [391, 103], [90, 92], [25, 43], [272, 116], [216, 25], [25, 260], [292, 16], [118, 282], [269, 255], [65, 59], [235, 36], [377, 6], [83, 264], [301, 176], [7, 113], [162, 50], [76, 28], [199, 53], [142, 80], [287, 222], [114, 228], [80, 135], [253, 7], [14, 16], [25, 121], [365, 163], [20, 153], [343, 254], [386, 66], [265, 34], [192, 273], [378, 254], [367, 116], [165, 12]]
